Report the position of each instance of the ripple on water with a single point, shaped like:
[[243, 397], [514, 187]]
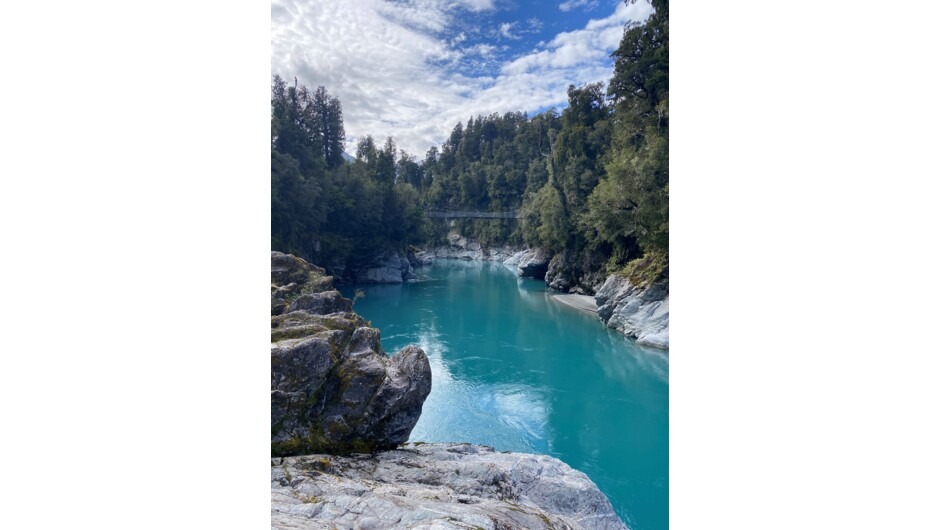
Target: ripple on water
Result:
[[519, 372]]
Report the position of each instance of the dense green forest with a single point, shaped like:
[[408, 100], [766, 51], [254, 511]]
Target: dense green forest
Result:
[[592, 180]]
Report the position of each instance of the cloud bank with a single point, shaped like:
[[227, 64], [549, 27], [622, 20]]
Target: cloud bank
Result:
[[405, 68]]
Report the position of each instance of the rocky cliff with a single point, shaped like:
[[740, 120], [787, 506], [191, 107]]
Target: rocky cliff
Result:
[[638, 312], [462, 247], [388, 266], [333, 388], [531, 262], [570, 272], [436, 486]]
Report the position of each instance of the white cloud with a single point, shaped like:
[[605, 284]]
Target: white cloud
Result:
[[590, 45], [482, 49], [477, 5], [574, 4], [392, 65], [505, 30]]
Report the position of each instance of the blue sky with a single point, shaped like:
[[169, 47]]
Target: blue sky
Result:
[[412, 69]]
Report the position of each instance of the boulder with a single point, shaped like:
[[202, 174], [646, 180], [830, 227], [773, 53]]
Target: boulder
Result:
[[333, 388], [420, 258], [558, 275], [390, 267], [532, 263], [456, 240], [436, 486], [321, 303], [291, 278]]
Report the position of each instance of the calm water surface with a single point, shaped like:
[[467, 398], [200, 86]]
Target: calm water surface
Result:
[[518, 371]]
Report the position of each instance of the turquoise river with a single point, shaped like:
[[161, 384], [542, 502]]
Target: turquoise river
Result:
[[518, 371]]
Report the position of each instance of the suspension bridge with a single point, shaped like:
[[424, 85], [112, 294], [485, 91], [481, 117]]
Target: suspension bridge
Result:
[[463, 214]]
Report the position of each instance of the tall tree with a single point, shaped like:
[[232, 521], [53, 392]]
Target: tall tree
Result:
[[328, 113]]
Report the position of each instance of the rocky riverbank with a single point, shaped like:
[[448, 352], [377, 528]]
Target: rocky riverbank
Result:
[[387, 266], [638, 312], [436, 486], [531, 262], [462, 247], [641, 313], [337, 398]]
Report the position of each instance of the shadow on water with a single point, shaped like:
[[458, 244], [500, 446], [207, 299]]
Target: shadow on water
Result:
[[520, 372]]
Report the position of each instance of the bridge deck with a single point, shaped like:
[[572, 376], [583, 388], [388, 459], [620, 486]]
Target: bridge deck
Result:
[[448, 214]]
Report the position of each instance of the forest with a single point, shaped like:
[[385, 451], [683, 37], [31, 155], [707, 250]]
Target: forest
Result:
[[591, 180]]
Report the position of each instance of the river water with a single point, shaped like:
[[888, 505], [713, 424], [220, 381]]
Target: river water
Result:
[[517, 371]]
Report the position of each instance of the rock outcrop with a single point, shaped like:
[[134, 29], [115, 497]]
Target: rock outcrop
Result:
[[390, 267], [641, 313], [532, 262], [570, 273], [436, 486], [462, 247], [333, 388]]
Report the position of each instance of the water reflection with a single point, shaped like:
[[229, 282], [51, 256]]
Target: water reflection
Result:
[[519, 372], [508, 416], [623, 359]]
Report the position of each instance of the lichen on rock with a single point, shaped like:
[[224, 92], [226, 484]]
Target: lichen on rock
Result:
[[439, 486], [333, 388]]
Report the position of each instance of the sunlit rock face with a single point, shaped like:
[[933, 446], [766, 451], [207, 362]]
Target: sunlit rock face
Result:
[[641, 313], [333, 388], [532, 263], [436, 486]]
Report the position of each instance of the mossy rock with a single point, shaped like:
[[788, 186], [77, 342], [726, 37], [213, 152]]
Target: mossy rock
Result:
[[333, 388], [651, 268]]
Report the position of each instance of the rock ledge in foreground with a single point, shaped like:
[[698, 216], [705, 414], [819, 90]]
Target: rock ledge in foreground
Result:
[[436, 486]]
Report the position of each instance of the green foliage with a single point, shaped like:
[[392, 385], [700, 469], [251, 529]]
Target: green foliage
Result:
[[592, 179], [644, 271], [545, 222], [359, 293], [322, 207]]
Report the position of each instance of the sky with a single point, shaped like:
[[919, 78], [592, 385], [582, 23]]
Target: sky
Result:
[[412, 69]]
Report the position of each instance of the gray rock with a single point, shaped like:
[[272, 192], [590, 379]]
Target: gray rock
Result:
[[333, 388], [287, 269], [292, 277], [439, 486], [532, 263], [500, 253], [636, 312], [422, 259], [390, 267], [456, 240], [575, 272], [321, 303], [558, 276], [462, 247]]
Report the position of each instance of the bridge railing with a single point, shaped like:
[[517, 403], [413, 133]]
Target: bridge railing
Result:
[[454, 214]]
